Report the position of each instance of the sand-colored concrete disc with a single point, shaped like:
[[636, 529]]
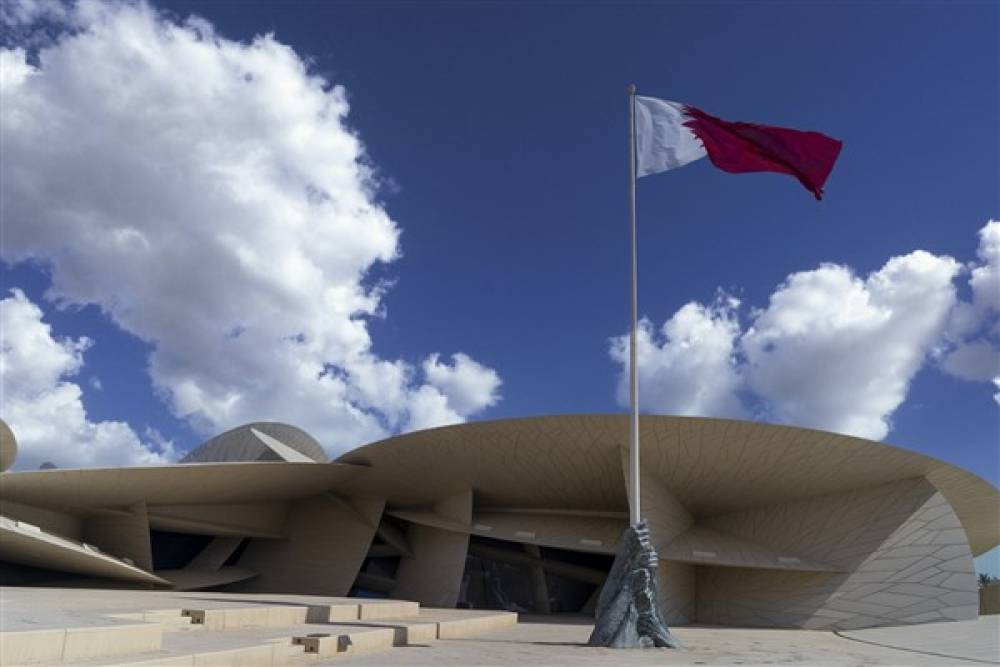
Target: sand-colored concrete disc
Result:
[[8, 446]]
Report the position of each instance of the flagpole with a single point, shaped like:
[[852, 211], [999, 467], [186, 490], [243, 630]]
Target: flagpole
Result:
[[635, 516]]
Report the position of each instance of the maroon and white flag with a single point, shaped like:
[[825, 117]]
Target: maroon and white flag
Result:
[[670, 135]]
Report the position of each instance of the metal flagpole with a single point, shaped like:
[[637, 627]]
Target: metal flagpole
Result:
[[628, 613], [635, 515]]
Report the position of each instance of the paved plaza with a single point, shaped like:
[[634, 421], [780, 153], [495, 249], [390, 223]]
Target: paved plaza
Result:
[[560, 642], [392, 633]]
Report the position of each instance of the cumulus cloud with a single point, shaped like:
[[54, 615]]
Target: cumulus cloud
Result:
[[210, 197], [689, 366], [452, 391], [985, 280], [44, 408], [972, 351], [466, 384], [20, 13], [831, 350], [836, 352], [976, 360]]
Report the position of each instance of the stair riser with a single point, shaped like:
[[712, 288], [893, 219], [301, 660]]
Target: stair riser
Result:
[[349, 643], [78, 644], [460, 628], [264, 617]]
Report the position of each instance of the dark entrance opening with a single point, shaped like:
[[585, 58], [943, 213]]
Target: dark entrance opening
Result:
[[377, 577], [172, 551], [528, 578]]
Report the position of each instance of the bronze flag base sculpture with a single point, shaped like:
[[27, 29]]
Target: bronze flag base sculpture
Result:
[[627, 612]]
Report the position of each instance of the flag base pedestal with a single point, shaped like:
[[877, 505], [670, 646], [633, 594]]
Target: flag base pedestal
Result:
[[628, 615]]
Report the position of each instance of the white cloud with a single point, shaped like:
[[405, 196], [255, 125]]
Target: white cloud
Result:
[[831, 350], [977, 360], [835, 352], [690, 367], [985, 280], [44, 409], [452, 392], [209, 196], [972, 348], [25, 12], [429, 408], [162, 443], [466, 384]]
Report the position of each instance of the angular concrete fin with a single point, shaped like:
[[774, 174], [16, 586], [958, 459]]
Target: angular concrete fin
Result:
[[457, 507], [594, 533], [325, 546], [189, 579], [452, 513], [264, 520], [433, 577], [284, 452], [431, 519], [125, 535], [710, 547], [666, 517], [215, 554], [106, 511], [368, 510], [26, 544]]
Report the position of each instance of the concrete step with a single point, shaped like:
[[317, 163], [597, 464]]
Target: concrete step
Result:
[[172, 620], [258, 646], [223, 649], [432, 623], [345, 642], [247, 617], [376, 609], [458, 623], [287, 615], [266, 635], [343, 639], [75, 645], [263, 654]]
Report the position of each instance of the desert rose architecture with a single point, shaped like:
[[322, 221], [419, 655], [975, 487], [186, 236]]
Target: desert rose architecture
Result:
[[755, 524]]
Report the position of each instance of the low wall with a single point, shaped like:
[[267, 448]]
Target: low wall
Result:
[[989, 599]]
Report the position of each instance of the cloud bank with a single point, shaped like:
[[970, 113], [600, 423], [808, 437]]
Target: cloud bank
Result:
[[210, 198], [831, 350], [46, 408]]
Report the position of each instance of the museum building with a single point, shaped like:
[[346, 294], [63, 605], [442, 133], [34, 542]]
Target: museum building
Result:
[[755, 524]]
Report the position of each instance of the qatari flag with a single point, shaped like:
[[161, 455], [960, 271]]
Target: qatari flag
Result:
[[670, 135]]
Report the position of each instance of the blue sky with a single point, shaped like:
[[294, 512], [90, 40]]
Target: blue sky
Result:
[[497, 136]]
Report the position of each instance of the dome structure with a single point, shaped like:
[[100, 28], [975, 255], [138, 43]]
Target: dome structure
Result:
[[259, 441]]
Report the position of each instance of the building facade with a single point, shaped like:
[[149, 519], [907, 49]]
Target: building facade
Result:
[[755, 524]]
